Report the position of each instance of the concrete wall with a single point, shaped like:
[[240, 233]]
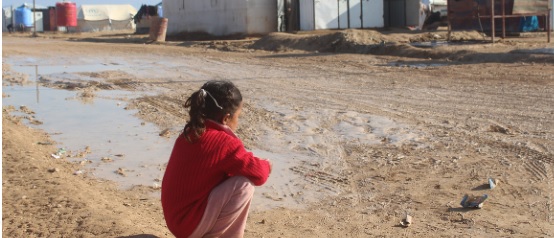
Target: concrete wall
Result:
[[221, 17], [262, 16]]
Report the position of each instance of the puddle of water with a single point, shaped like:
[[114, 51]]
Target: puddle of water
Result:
[[415, 65], [280, 189], [29, 68], [433, 44], [546, 51], [101, 123], [430, 44], [109, 130]]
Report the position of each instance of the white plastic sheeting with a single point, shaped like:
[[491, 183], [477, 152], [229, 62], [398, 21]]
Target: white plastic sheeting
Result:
[[106, 17], [104, 12], [340, 14], [221, 17]]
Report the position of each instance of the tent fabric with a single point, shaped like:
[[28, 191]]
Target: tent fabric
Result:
[[104, 25], [107, 12], [106, 17]]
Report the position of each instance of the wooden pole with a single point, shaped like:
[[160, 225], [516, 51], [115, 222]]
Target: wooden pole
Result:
[[548, 24]]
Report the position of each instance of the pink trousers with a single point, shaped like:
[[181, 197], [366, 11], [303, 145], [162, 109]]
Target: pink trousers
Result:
[[227, 209]]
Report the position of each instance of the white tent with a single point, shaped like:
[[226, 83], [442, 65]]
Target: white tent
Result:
[[106, 17]]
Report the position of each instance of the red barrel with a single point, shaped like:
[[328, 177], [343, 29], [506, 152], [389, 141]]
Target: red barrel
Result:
[[53, 22], [66, 13]]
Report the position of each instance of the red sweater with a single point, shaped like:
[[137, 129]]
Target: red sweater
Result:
[[194, 169]]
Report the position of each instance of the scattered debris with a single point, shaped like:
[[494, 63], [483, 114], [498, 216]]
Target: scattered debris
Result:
[[53, 170], [35, 122], [77, 172], [121, 171], [493, 182], [25, 109], [85, 161], [156, 186], [500, 129], [406, 221], [165, 133], [107, 159], [57, 155], [470, 201]]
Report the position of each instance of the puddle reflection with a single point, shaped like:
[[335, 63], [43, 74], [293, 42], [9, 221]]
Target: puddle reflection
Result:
[[101, 123]]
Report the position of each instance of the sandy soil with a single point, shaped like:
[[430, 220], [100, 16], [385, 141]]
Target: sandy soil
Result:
[[366, 128]]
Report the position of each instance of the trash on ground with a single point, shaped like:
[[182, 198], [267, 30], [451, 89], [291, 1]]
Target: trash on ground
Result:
[[107, 159], [471, 201], [53, 170], [57, 155], [493, 183], [165, 133], [121, 171], [407, 221]]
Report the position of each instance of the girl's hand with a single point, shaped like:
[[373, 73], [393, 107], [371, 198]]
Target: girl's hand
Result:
[[270, 165]]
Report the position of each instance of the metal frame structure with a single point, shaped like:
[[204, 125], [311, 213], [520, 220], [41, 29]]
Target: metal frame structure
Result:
[[503, 16]]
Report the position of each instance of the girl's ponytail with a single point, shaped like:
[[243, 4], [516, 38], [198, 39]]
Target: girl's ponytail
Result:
[[214, 100]]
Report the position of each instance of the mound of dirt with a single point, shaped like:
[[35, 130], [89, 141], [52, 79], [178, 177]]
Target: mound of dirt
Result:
[[342, 41], [463, 46], [352, 40]]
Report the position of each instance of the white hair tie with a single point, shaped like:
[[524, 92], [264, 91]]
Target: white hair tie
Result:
[[204, 92]]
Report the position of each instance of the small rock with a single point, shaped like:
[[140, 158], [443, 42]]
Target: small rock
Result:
[[106, 159], [121, 172], [407, 221], [165, 133], [53, 170]]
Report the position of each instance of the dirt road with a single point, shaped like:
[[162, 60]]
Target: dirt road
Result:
[[364, 128]]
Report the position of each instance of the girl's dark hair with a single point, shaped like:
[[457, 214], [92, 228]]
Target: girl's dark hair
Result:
[[214, 100]]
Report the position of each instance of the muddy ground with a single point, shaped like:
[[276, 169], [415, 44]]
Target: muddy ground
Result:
[[375, 128]]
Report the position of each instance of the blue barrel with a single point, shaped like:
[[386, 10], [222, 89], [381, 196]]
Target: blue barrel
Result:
[[23, 16]]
